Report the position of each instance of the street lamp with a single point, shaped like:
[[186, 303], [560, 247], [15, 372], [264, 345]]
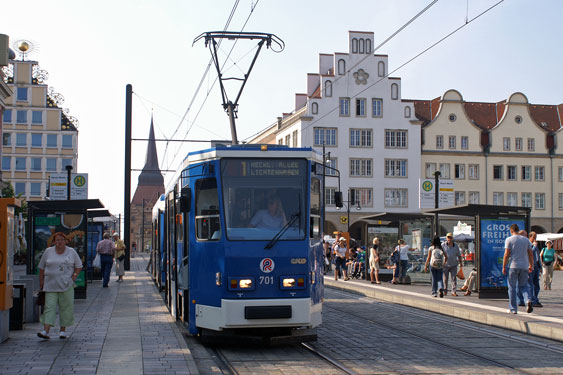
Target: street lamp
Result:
[[348, 204]]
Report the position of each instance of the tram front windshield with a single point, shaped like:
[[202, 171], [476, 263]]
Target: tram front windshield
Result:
[[262, 196]]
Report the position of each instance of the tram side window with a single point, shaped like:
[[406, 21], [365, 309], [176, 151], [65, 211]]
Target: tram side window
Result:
[[207, 219], [315, 222]]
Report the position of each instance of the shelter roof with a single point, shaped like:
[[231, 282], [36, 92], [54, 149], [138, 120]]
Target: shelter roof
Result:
[[481, 209], [397, 216], [66, 205]]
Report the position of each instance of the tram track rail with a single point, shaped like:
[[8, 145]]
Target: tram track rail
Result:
[[333, 362], [464, 352]]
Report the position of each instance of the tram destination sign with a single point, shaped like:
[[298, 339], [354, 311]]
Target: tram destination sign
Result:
[[273, 168], [78, 186]]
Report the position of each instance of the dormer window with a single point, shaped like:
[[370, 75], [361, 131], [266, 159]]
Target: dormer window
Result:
[[368, 45], [328, 89], [394, 91], [381, 69], [354, 45], [362, 46]]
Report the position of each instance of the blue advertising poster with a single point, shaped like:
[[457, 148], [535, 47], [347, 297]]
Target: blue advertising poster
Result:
[[493, 235]]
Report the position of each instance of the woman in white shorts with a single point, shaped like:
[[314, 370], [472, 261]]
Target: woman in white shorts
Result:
[[374, 262]]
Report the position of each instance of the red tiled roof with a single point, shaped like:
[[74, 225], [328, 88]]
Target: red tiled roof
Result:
[[484, 115], [423, 110], [546, 116]]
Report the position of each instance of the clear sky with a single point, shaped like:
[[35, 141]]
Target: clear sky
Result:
[[92, 49]]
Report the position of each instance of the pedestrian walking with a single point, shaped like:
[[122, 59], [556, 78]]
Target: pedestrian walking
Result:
[[404, 261], [454, 259], [119, 257], [519, 250], [437, 257], [59, 267], [548, 261], [106, 249], [340, 258], [327, 256], [374, 262], [534, 276]]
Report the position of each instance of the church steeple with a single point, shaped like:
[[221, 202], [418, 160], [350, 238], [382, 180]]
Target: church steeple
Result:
[[151, 176]]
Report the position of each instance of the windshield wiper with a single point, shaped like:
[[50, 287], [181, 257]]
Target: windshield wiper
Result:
[[278, 235]]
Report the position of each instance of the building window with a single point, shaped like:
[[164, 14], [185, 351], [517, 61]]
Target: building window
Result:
[[341, 66], [51, 165], [395, 168], [452, 117], [344, 106], [518, 119], [354, 45], [6, 139], [368, 45], [287, 139], [459, 198], [21, 117], [451, 141], [394, 91], [506, 144], [511, 173], [498, 198], [408, 112], [20, 164], [36, 140], [67, 141], [329, 196], [381, 69], [444, 170], [19, 188], [360, 137], [474, 197], [360, 167], [65, 162], [7, 117], [512, 199], [333, 164], [497, 172], [51, 140], [21, 139], [560, 173], [560, 201], [518, 144], [464, 143], [280, 141], [526, 173], [328, 89], [314, 108], [377, 107], [35, 189], [430, 169], [459, 171], [21, 94], [361, 107], [325, 135], [364, 195], [527, 200], [531, 144], [439, 141], [396, 139], [473, 171], [6, 163], [36, 117], [540, 201], [539, 173], [36, 164], [396, 198], [294, 144]]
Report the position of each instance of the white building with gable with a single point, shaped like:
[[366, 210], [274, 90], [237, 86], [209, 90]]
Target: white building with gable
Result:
[[373, 137]]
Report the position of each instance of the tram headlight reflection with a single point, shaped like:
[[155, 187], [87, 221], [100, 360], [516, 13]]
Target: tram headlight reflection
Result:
[[245, 283], [288, 282]]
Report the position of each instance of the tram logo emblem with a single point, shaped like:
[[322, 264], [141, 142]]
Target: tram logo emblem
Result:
[[267, 265]]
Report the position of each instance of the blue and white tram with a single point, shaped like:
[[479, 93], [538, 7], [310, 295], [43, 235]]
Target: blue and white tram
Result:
[[242, 240], [158, 246]]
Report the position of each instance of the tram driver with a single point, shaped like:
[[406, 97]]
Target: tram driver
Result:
[[272, 217]]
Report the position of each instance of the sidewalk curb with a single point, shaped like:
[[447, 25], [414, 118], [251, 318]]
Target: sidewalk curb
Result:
[[460, 312]]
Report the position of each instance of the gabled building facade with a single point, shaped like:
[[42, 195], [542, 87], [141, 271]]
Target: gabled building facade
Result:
[[355, 111], [501, 153], [38, 137]]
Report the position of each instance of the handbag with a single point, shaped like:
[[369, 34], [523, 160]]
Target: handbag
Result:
[[97, 263], [460, 274], [121, 257], [40, 298]]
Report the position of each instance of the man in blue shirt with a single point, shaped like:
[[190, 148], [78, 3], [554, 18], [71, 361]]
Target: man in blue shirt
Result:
[[519, 249], [534, 276]]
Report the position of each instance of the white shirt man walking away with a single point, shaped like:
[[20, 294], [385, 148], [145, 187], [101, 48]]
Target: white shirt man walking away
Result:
[[519, 250]]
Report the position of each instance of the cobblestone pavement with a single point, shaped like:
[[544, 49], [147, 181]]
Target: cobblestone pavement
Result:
[[123, 329]]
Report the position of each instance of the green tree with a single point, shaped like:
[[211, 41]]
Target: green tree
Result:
[[8, 192]]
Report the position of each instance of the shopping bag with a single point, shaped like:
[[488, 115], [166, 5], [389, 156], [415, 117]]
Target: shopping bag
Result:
[[97, 263], [460, 274]]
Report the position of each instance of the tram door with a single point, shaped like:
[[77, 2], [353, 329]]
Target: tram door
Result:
[[171, 281], [182, 239]]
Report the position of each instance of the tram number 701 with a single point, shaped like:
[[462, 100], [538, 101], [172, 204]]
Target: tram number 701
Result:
[[266, 280]]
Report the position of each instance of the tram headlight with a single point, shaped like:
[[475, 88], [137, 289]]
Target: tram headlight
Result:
[[288, 282], [293, 282], [245, 283]]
